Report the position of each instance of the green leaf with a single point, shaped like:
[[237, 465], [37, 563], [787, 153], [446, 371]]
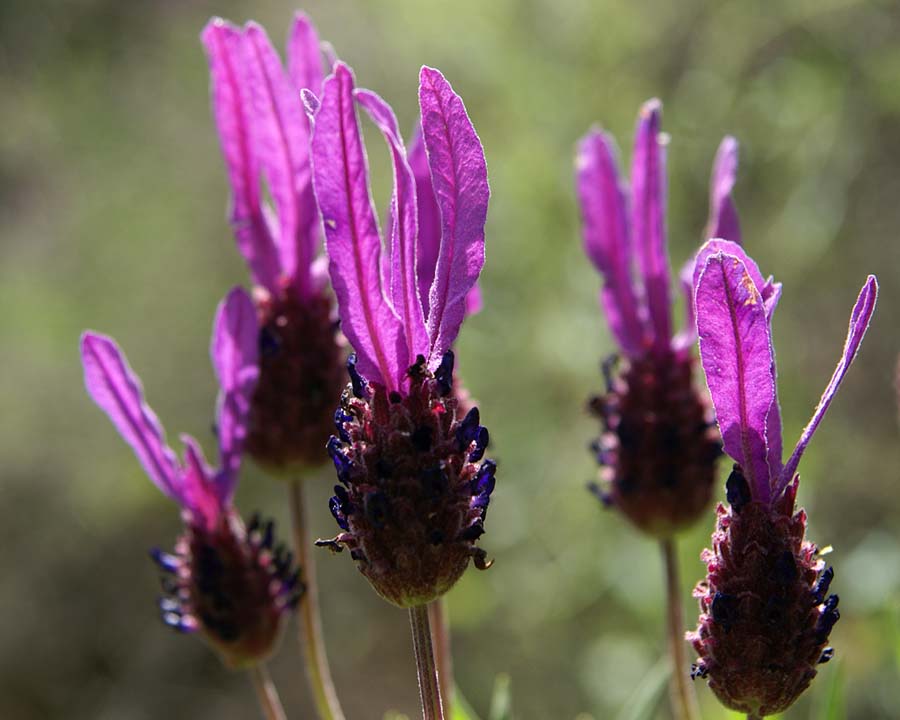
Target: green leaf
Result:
[[645, 699], [460, 709]]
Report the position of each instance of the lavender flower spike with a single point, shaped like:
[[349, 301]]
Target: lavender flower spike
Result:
[[765, 610], [224, 579], [658, 445], [265, 134], [414, 487]]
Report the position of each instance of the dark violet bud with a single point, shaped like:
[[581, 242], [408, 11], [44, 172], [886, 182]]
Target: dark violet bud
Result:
[[357, 383], [300, 374], [760, 638], [226, 584], [658, 445], [415, 488], [444, 373], [737, 491], [340, 417]]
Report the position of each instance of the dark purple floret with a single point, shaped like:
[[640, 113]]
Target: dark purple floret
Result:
[[340, 417], [444, 373], [737, 491], [820, 591], [357, 382]]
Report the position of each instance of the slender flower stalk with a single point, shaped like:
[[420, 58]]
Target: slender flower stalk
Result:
[[266, 692], [765, 609], [658, 446], [265, 135], [225, 581], [414, 486], [426, 669], [443, 657]]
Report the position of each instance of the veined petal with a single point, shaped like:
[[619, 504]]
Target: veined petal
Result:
[[474, 301], [351, 234], [197, 484], [648, 197], [403, 224], [604, 214], [859, 323], [235, 356], [113, 385], [230, 103], [768, 288], [723, 218], [688, 333], [281, 138], [736, 353], [304, 55], [459, 178], [429, 217]]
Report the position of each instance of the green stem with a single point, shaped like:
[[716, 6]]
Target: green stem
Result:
[[429, 688], [440, 636], [684, 701], [266, 692], [318, 672]]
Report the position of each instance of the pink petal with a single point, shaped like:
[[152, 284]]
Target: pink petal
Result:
[[230, 107], [198, 485], [429, 217], [737, 357], [859, 323], [723, 218], [281, 138], [688, 334], [235, 356], [648, 196], [459, 177], [351, 235], [113, 385], [607, 243], [304, 55], [474, 301], [404, 291]]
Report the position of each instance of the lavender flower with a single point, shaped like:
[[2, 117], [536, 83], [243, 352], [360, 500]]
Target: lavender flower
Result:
[[264, 133], [224, 580], [658, 447], [765, 609], [414, 487]]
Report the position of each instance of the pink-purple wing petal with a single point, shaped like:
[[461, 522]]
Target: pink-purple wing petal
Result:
[[403, 224], [604, 214], [859, 323], [304, 55], [723, 218], [459, 179], [229, 92], [768, 288], [429, 217], [351, 234], [235, 356], [281, 139], [736, 353], [116, 389], [648, 197], [197, 483]]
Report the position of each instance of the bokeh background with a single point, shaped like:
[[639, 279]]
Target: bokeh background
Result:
[[112, 204]]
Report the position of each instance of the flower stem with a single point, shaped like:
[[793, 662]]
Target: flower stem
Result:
[[317, 670], [684, 702], [429, 689], [440, 636], [266, 692]]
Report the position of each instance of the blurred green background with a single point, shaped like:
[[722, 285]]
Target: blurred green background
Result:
[[112, 202]]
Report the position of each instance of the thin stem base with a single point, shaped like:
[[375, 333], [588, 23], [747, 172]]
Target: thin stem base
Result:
[[266, 693], [429, 688], [684, 701]]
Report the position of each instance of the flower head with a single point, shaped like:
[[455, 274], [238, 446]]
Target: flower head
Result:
[[224, 580], [765, 609], [414, 484], [657, 449], [264, 133]]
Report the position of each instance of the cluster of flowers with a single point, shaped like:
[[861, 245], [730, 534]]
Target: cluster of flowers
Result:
[[407, 445]]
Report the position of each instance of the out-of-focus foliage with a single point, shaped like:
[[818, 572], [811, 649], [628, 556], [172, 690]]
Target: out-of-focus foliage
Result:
[[112, 201]]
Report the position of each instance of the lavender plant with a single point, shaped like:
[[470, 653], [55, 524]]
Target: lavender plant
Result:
[[658, 447], [414, 484], [766, 611], [225, 581], [264, 134]]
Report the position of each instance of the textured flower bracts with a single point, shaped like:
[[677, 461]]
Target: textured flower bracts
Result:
[[414, 484], [264, 133], [658, 446], [766, 611], [224, 580]]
